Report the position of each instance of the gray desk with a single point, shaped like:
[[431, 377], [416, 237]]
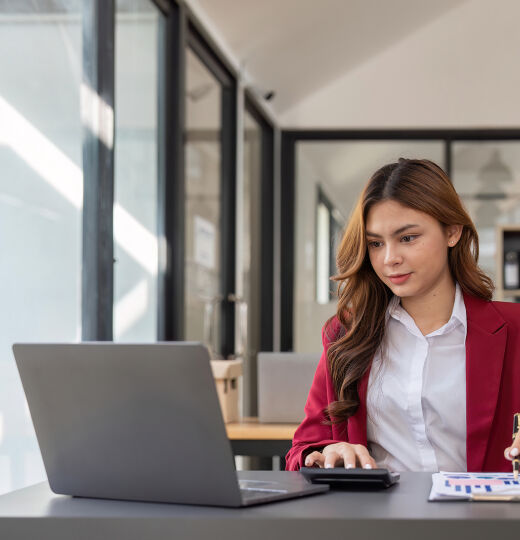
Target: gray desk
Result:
[[399, 513]]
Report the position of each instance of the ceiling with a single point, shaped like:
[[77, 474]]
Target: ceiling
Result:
[[295, 47]]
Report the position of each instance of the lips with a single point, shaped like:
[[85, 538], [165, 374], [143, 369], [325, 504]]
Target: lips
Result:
[[398, 279]]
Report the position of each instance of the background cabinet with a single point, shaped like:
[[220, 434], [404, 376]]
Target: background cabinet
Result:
[[508, 240]]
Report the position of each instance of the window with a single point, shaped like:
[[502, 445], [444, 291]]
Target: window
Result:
[[486, 174], [328, 230], [41, 200], [135, 182], [330, 175]]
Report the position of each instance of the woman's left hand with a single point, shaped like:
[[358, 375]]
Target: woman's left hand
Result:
[[514, 450]]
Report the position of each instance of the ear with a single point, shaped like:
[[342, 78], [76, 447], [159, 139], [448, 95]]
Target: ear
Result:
[[453, 233]]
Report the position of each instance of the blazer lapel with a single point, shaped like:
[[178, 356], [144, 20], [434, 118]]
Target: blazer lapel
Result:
[[485, 346]]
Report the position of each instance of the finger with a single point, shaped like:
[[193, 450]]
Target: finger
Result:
[[364, 458], [516, 442], [314, 458], [349, 458], [331, 459], [512, 452]]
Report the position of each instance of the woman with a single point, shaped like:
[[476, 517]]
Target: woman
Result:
[[420, 369]]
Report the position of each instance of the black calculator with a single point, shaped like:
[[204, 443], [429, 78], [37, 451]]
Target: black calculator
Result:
[[341, 478]]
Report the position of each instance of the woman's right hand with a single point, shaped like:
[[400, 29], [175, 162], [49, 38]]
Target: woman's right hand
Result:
[[337, 454]]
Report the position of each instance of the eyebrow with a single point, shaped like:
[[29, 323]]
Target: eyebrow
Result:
[[400, 230]]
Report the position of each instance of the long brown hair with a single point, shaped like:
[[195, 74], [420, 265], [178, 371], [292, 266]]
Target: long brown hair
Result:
[[363, 297]]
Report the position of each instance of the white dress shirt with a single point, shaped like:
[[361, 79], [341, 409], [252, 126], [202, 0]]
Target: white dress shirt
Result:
[[416, 396]]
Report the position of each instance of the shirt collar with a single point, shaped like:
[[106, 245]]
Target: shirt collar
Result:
[[459, 308], [458, 314]]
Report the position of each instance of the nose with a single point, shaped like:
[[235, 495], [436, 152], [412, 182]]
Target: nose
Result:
[[392, 255]]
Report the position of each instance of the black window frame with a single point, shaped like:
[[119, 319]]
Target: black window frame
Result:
[[97, 273], [267, 221], [179, 28], [201, 45], [266, 338]]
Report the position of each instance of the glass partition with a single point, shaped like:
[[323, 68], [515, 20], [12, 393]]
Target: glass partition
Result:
[[41, 200], [135, 182], [203, 192], [487, 176], [339, 170]]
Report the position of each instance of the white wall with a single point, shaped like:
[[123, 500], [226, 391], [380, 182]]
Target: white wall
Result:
[[461, 70]]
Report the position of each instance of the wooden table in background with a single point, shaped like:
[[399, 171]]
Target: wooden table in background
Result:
[[249, 437]]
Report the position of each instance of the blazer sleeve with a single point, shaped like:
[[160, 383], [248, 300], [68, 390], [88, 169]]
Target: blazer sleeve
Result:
[[314, 433]]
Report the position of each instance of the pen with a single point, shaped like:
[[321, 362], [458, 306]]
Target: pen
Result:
[[516, 460]]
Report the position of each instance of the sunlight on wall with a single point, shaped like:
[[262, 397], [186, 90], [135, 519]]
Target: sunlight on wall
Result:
[[135, 239], [97, 115], [20, 460], [130, 308], [62, 174], [41, 154]]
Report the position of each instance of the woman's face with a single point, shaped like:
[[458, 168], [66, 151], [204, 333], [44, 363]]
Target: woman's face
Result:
[[408, 249]]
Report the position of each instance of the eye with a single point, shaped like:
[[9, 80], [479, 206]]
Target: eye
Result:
[[409, 237], [373, 244]]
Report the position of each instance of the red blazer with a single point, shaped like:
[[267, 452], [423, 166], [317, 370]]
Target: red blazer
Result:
[[492, 391]]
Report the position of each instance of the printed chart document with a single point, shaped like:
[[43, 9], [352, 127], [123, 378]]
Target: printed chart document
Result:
[[450, 486]]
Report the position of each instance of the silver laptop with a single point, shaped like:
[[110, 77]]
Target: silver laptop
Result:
[[137, 422], [279, 401]]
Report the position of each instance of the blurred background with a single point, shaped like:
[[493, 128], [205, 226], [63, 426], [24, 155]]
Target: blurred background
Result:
[[184, 169]]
